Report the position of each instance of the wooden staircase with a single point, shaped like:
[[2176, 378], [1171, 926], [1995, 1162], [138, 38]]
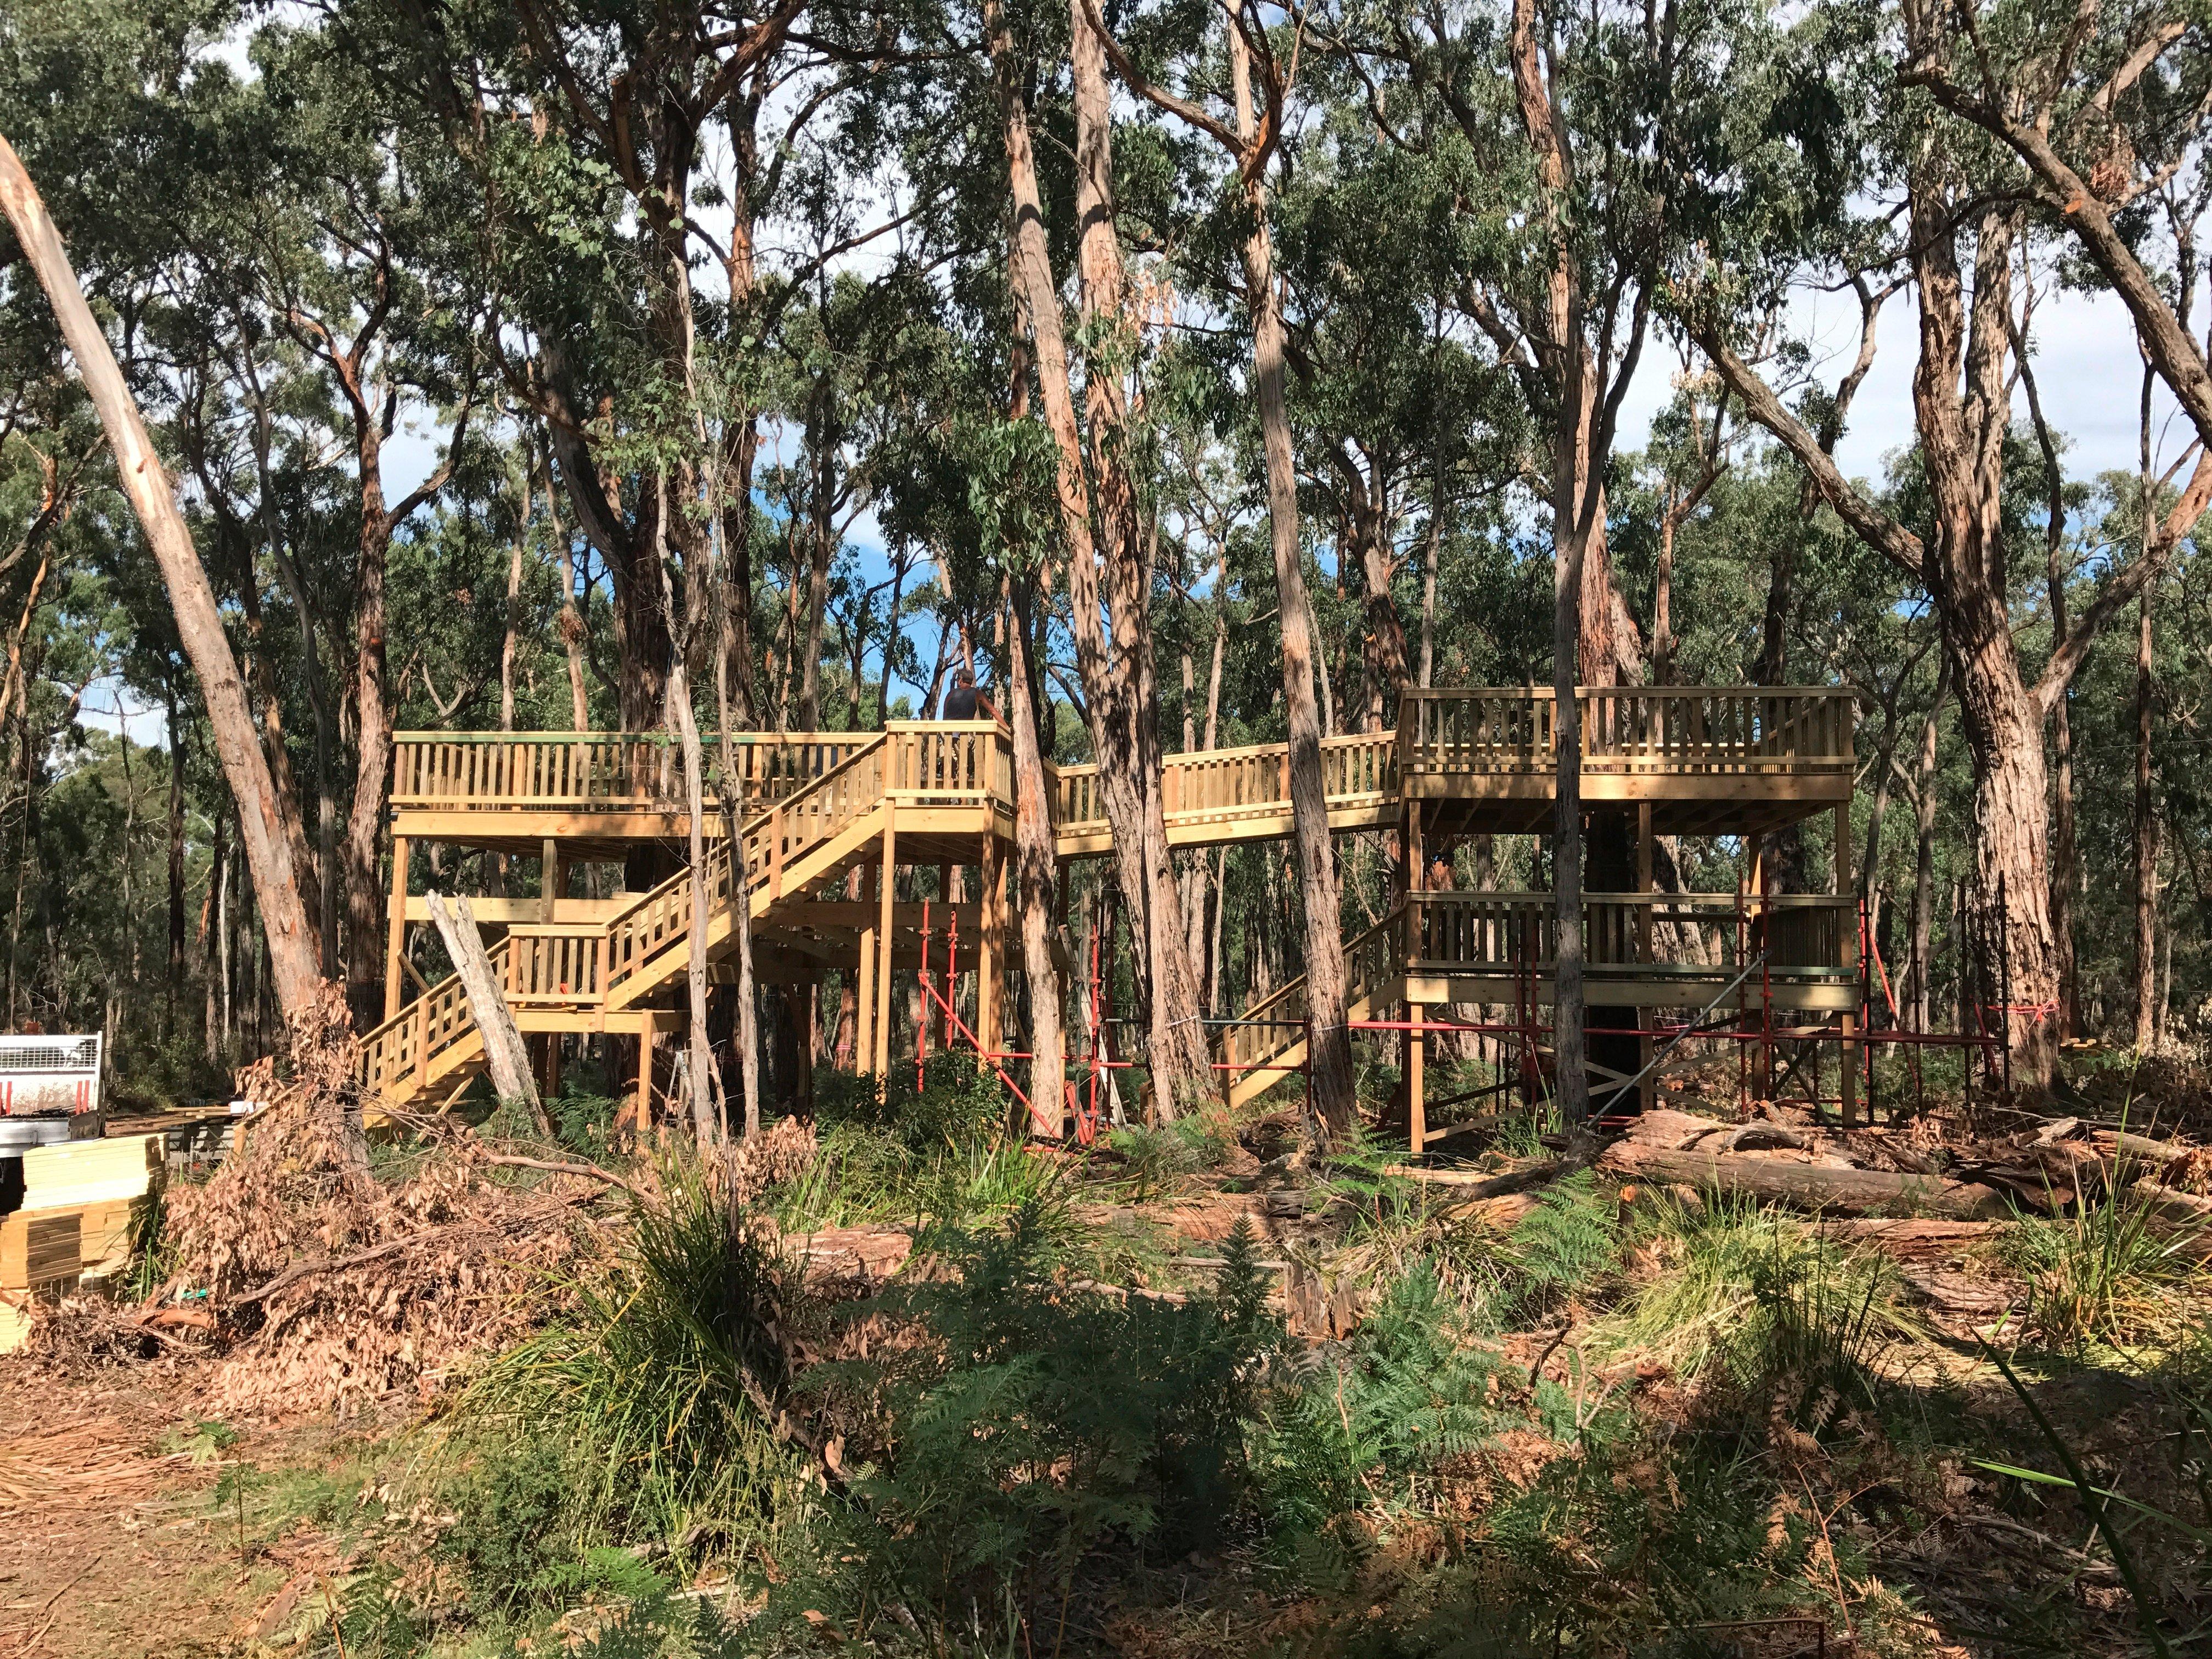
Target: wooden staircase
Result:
[[570, 977], [1273, 1045]]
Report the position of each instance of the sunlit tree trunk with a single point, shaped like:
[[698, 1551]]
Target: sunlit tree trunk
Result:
[[292, 944], [1119, 683]]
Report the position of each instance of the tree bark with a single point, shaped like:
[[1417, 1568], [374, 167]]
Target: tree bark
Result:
[[2065, 857], [1035, 867], [1329, 1052], [1962, 410], [1330, 1048], [2146, 838], [571, 623], [700, 1070], [292, 944], [1120, 681], [372, 780], [1806, 1186], [175, 977]]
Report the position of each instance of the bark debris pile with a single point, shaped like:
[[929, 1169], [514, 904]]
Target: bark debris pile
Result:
[[313, 1282]]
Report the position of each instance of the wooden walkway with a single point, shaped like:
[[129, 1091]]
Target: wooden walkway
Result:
[[811, 807]]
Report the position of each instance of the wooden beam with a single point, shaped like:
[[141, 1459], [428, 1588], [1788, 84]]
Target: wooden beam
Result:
[[887, 886], [864, 1008], [643, 1110], [1647, 1091], [1844, 883], [866, 913], [530, 912], [552, 878], [1417, 1094], [395, 934], [990, 958]]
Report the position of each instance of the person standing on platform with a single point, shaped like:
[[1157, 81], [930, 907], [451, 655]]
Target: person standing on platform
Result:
[[966, 701]]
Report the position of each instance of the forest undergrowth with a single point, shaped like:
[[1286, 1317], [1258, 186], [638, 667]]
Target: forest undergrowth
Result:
[[1179, 1393]]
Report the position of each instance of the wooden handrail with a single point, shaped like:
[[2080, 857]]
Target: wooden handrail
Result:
[[1245, 780], [1667, 727]]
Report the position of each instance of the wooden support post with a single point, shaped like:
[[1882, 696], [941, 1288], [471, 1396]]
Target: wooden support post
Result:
[[864, 1008], [799, 1004], [395, 936], [552, 1064], [1647, 1091], [991, 945], [1849, 924], [1413, 877], [552, 878], [643, 1108], [1416, 1104], [886, 891]]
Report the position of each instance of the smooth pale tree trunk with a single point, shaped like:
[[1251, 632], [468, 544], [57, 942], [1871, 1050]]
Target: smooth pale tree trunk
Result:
[[741, 902], [2146, 829], [1038, 306], [1035, 869], [571, 623], [1571, 1078], [506, 1055], [2065, 857], [1329, 1049], [701, 1075], [372, 778], [1120, 686], [1329, 1052], [293, 947]]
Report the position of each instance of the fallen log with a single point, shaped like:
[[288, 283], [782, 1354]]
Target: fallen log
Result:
[[2172, 1204], [1473, 1185], [1806, 1186], [1909, 1234]]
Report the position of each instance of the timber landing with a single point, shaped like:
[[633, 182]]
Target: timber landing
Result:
[[827, 818]]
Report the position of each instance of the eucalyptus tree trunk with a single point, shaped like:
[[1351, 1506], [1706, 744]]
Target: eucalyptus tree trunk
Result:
[[1329, 1047], [1961, 391], [570, 625], [1106, 695], [740, 896], [1035, 866], [699, 1068], [2065, 855], [294, 954], [1119, 683], [2146, 837]]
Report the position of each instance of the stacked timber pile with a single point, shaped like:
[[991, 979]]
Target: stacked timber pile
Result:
[[73, 1221]]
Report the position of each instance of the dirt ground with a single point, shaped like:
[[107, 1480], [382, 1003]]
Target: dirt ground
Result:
[[113, 1543]]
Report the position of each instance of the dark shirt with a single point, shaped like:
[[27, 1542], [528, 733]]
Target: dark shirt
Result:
[[960, 704]]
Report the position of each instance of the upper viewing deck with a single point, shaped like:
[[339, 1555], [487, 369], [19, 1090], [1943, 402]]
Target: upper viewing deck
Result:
[[1708, 761]]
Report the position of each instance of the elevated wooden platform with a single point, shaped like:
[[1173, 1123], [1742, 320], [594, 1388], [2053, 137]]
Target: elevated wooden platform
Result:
[[1707, 761], [812, 808]]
